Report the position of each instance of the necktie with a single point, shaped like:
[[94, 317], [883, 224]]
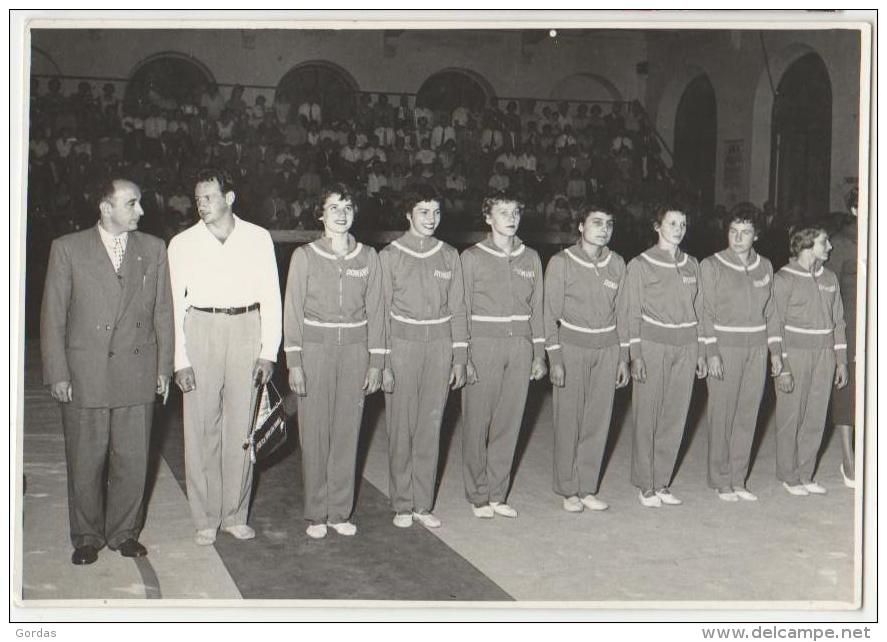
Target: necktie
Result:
[[118, 251]]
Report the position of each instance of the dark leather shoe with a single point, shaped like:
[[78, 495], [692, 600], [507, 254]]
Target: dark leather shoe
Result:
[[132, 548], [84, 555]]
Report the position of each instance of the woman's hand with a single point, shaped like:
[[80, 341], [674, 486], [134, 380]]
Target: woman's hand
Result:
[[701, 368], [557, 375], [785, 382], [470, 373], [623, 376], [297, 380], [373, 380], [457, 376], [638, 369], [388, 380], [716, 367]]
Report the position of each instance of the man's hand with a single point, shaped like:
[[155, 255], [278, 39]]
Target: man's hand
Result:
[[185, 379], [388, 380], [775, 365], [785, 382], [373, 380], [470, 373], [623, 376], [638, 369], [538, 369], [262, 371], [716, 367], [842, 376], [297, 380], [61, 391], [557, 375], [701, 368], [457, 376], [163, 386]]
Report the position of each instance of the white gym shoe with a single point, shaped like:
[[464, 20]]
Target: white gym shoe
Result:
[[728, 495], [745, 495], [205, 537], [814, 489], [649, 499], [503, 509], [798, 490], [848, 482], [667, 498], [316, 531], [343, 528], [403, 520], [240, 531], [573, 505], [593, 503], [485, 511], [428, 520]]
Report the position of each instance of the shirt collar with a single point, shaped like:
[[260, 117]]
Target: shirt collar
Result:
[[108, 238]]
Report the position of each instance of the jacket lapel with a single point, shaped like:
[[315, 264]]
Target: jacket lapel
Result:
[[133, 272], [103, 267]]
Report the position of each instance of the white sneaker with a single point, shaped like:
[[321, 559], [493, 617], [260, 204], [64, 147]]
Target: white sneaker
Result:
[[484, 512], [344, 528], [728, 495], [316, 531], [849, 483], [593, 503], [403, 520], [798, 490], [667, 498], [428, 520], [573, 505], [503, 509], [240, 531], [205, 537], [649, 499], [745, 495], [814, 489]]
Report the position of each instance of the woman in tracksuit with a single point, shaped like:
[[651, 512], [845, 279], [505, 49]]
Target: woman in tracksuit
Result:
[[503, 297], [427, 336], [808, 302], [586, 338], [334, 339], [664, 346], [739, 324]]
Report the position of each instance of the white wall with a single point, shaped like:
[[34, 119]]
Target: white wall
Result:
[[734, 62]]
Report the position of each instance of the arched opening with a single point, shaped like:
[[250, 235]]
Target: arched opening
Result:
[[586, 87], [453, 88], [323, 83], [696, 137], [800, 144], [167, 78]]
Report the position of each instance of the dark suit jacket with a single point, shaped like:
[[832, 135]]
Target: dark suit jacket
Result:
[[109, 334]]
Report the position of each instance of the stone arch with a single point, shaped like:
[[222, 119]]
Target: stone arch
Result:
[[454, 86], [174, 75], [323, 82], [585, 87]]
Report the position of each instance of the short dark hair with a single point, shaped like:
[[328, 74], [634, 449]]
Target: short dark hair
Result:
[[105, 187], [500, 197], [419, 194], [661, 210], [343, 191], [218, 175], [804, 237], [584, 210], [745, 213]]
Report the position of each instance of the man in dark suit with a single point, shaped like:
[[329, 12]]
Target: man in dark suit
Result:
[[106, 337]]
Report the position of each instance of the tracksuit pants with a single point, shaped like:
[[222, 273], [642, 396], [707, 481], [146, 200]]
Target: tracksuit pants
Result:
[[732, 410], [223, 350], [659, 406], [582, 411], [492, 411], [413, 414], [329, 426], [800, 414], [112, 513]]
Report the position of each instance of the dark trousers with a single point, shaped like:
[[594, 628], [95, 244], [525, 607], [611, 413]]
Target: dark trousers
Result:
[[120, 437]]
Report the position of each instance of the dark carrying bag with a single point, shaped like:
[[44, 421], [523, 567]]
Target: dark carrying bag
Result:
[[267, 430]]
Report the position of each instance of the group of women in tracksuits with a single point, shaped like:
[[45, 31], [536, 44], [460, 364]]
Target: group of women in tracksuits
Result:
[[417, 320]]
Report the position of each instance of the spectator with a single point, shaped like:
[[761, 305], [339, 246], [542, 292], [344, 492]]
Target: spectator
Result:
[[213, 101], [499, 181]]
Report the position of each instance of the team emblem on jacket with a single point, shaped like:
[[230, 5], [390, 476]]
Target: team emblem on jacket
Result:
[[360, 273], [527, 274], [608, 283], [762, 282], [441, 274], [691, 280], [826, 288]]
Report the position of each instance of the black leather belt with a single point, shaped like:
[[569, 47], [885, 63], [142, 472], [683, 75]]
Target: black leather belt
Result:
[[230, 311]]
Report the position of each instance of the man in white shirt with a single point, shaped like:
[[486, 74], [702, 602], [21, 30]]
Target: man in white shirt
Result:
[[227, 311]]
